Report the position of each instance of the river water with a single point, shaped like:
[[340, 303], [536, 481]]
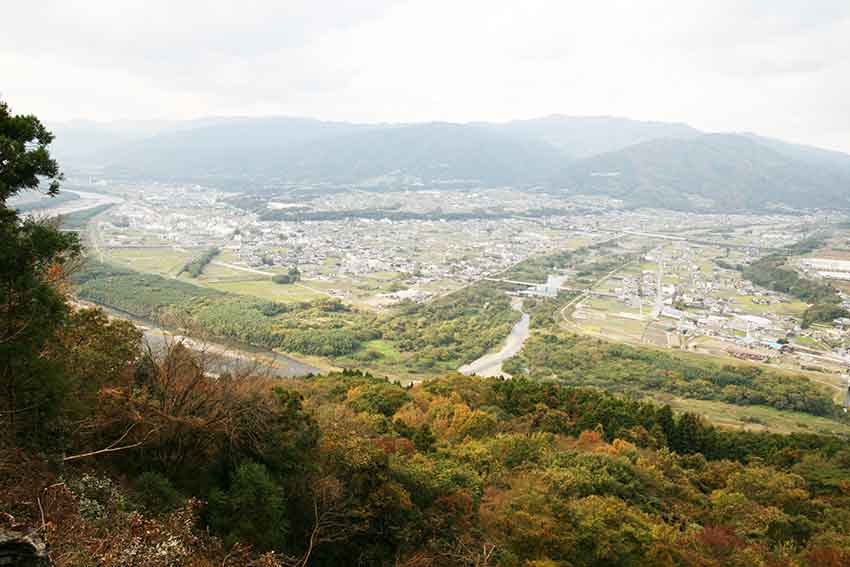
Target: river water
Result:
[[87, 200], [491, 363], [223, 356]]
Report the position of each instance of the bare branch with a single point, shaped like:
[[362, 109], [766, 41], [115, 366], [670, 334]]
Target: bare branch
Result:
[[111, 448]]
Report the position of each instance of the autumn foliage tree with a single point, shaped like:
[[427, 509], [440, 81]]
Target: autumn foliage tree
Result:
[[168, 454]]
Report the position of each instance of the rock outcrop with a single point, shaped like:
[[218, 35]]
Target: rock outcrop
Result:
[[22, 550]]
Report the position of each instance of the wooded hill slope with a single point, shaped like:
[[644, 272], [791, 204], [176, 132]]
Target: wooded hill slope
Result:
[[643, 163]]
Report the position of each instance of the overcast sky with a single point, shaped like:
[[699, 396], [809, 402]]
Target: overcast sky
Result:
[[776, 67]]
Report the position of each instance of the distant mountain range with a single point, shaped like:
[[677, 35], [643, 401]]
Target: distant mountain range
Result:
[[713, 171], [660, 164]]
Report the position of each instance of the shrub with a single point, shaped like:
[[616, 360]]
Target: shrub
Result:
[[156, 493], [254, 509]]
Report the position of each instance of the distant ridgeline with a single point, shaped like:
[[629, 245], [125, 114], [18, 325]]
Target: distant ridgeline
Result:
[[641, 163]]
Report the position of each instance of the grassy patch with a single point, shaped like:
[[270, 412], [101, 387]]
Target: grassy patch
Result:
[[759, 418], [806, 341], [161, 261], [793, 308], [388, 352], [266, 289], [79, 219]]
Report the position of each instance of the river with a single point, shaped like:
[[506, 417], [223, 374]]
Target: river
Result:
[[491, 363], [87, 200], [224, 357]]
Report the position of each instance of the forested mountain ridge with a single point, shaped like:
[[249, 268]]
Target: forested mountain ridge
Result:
[[584, 136], [275, 137], [315, 151], [84, 142], [430, 152], [710, 171], [236, 146], [815, 156], [643, 163]]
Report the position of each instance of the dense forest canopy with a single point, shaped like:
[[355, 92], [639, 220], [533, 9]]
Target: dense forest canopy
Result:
[[116, 453]]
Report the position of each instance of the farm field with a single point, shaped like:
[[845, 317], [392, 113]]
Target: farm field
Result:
[[265, 289], [221, 274], [163, 261], [758, 418]]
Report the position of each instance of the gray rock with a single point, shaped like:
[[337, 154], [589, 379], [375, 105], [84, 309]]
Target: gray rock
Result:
[[22, 550]]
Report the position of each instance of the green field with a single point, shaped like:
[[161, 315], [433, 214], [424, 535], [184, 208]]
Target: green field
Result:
[[359, 290], [389, 354], [167, 262], [217, 272], [161, 261], [616, 328], [266, 289], [793, 307], [576, 243], [809, 342], [79, 219], [758, 418]]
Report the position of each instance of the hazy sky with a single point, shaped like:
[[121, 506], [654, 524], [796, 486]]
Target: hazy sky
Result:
[[777, 67]]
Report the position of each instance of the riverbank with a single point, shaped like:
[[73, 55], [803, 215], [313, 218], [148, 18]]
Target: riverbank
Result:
[[225, 355], [490, 364], [85, 200]]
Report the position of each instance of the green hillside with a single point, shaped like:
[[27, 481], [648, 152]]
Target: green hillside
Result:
[[715, 171]]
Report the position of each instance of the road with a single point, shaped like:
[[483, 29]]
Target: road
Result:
[[589, 291], [690, 240], [659, 289]]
